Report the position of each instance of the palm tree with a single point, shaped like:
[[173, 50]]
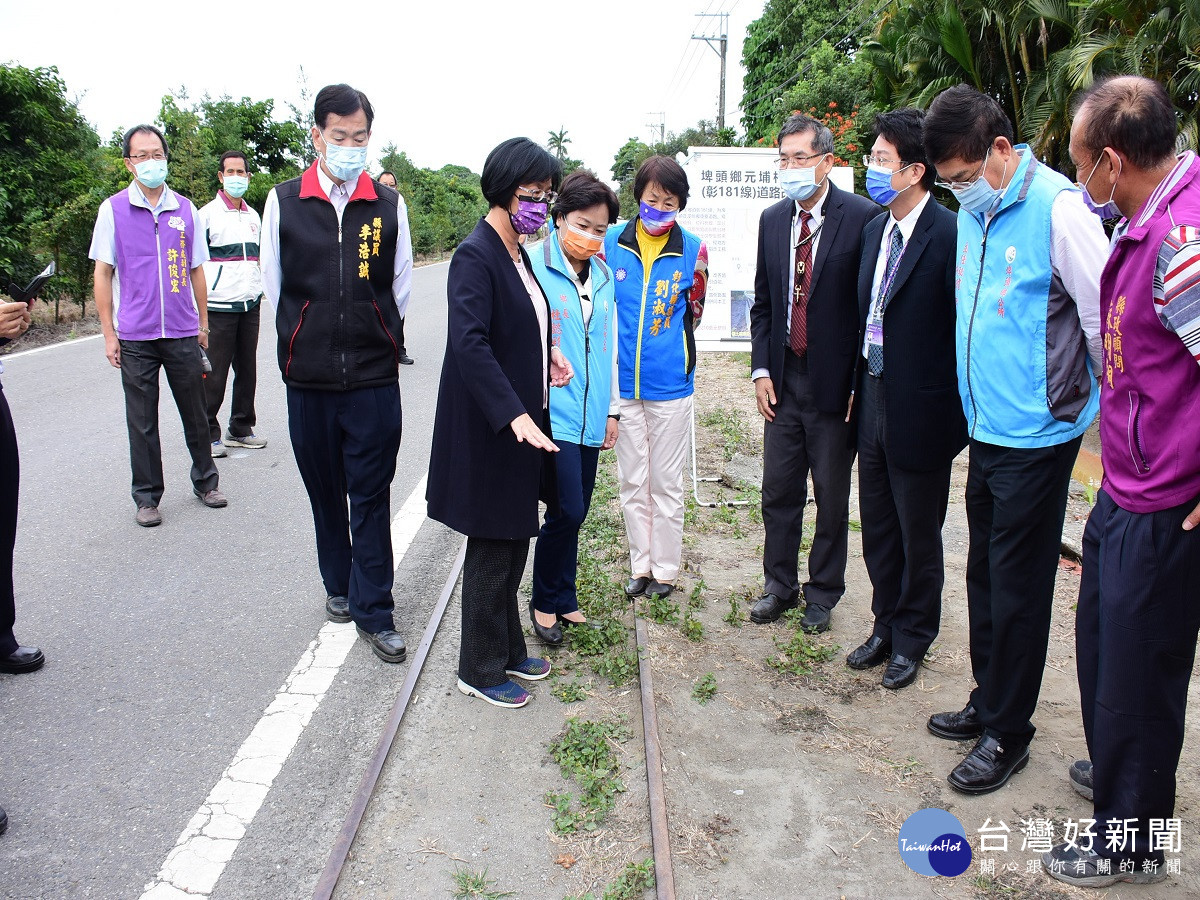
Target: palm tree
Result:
[[558, 143]]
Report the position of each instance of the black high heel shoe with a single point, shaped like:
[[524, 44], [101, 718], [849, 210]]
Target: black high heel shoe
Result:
[[552, 636]]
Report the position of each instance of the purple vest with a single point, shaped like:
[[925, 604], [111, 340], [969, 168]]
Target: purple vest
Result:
[[1150, 395], [154, 262]]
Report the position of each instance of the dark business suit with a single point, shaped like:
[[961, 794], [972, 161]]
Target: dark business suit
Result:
[[809, 431], [910, 427]]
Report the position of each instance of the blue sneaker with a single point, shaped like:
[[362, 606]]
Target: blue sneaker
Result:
[[507, 695], [532, 669]]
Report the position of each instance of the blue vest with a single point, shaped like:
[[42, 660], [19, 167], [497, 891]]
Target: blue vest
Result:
[[579, 411], [656, 350], [1023, 368]]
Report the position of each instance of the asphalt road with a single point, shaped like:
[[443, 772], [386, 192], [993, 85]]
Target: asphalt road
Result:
[[166, 645]]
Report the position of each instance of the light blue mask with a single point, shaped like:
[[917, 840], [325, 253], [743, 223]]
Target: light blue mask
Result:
[[346, 163], [235, 185], [151, 172], [981, 198], [799, 184], [879, 184]]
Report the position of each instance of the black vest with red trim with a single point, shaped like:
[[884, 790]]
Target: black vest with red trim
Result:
[[337, 320]]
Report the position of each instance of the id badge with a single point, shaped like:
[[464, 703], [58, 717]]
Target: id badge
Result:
[[875, 334]]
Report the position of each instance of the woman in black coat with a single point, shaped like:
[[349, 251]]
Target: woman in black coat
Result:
[[490, 446]]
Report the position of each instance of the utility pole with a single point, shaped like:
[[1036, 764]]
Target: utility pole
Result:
[[719, 44], [660, 126]]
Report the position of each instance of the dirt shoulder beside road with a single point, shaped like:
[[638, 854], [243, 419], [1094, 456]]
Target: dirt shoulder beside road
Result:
[[781, 783]]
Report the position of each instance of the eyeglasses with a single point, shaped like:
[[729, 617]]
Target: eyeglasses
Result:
[[797, 162], [537, 196], [963, 185], [142, 157], [882, 161]]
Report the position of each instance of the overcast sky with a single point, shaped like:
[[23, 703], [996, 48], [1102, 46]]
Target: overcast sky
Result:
[[449, 79]]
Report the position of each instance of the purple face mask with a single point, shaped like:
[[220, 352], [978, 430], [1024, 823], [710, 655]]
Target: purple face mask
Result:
[[656, 221], [530, 215]]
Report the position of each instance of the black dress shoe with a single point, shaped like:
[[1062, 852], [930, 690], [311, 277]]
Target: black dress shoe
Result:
[[405, 359], [659, 588], [988, 766], [769, 608], [636, 586], [386, 644], [816, 619], [901, 672], [956, 726], [337, 609], [551, 635], [875, 651], [3, 820], [21, 660]]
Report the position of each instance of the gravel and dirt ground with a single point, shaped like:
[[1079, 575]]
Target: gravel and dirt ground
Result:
[[780, 782]]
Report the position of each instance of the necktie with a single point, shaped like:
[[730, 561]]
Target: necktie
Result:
[[798, 334], [895, 251]]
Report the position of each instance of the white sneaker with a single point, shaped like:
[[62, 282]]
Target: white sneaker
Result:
[[218, 449], [250, 442]]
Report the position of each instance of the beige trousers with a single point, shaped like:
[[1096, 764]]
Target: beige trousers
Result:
[[651, 450]]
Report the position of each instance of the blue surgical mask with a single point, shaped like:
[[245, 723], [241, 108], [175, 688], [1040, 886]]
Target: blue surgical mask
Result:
[[346, 163], [799, 184], [151, 172], [879, 184], [235, 185], [981, 198], [1108, 210]]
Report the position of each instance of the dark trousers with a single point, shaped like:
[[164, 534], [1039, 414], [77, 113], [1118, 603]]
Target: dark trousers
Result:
[[346, 444], [1016, 499], [180, 359], [492, 640], [556, 554], [902, 515], [403, 351], [232, 340], [801, 439], [10, 479], [1135, 640]]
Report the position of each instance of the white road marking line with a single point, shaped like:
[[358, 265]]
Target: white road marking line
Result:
[[54, 346], [210, 839]]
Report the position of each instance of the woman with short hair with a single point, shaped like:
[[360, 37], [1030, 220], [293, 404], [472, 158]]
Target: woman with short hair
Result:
[[584, 414], [661, 271], [489, 456]]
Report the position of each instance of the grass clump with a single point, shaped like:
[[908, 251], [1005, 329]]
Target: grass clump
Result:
[[584, 752], [705, 688]]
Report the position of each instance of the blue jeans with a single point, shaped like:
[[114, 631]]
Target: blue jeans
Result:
[[556, 555]]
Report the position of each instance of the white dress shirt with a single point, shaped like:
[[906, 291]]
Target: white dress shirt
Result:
[[906, 225], [339, 196]]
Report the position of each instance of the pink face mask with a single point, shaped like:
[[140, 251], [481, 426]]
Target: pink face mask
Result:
[[656, 221]]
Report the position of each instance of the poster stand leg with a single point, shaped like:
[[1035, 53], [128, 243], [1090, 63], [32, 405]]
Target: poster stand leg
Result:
[[696, 479]]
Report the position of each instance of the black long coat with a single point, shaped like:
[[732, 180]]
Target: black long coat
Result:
[[482, 481], [925, 424]]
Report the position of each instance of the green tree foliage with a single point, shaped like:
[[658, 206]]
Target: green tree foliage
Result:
[[635, 152], [782, 52], [199, 133], [53, 175], [1035, 55], [443, 206]]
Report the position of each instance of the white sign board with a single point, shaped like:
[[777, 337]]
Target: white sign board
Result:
[[728, 188]]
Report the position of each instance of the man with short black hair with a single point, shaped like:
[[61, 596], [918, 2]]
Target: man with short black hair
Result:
[[149, 249], [910, 422], [337, 267], [234, 293], [803, 329], [1027, 289], [1137, 618]]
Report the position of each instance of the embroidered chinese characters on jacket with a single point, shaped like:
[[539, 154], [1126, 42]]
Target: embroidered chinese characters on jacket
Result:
[[368, 245]]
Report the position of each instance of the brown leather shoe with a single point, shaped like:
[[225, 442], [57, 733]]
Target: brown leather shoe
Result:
[[213, 498], [148, 516]]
